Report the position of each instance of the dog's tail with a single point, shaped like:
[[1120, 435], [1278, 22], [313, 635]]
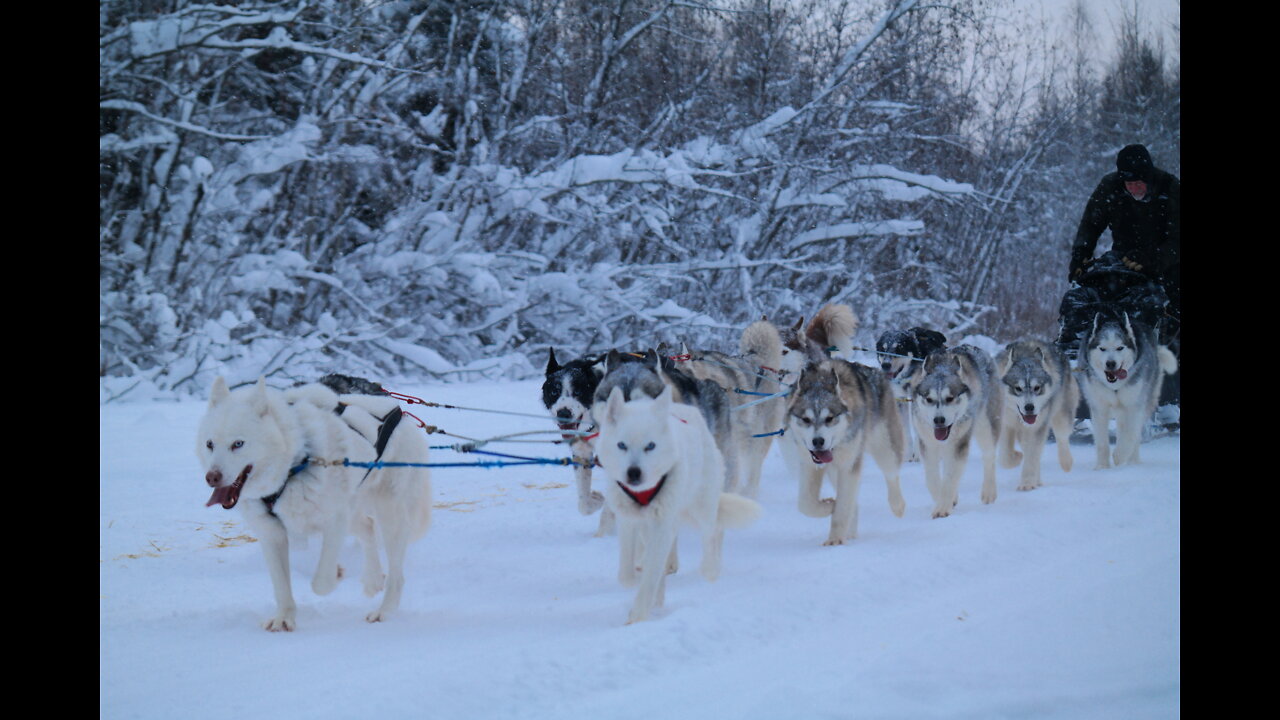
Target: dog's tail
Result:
[[833, 327], [736, 511], [762, 344], [1168, 363]]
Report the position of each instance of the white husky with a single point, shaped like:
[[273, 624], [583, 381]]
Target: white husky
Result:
[[956, 400], [271, 453], [664, 469], [1122, 365]]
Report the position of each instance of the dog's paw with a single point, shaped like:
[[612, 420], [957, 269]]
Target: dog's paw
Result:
[[281, 623], [941, 513], [833, 541], [988, 497], [376, 616], [636, 616], [591, 503], [373, 583]]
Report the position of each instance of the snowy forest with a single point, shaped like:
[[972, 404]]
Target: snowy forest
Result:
[[447, 188]]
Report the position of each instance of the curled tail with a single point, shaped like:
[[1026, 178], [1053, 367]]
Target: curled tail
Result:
[[736, 511], [762, 344], [834, 326]]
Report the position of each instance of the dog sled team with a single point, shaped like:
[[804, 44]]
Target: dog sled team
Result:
[[681, 440]]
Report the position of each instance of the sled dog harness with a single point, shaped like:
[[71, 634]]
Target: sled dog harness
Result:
[[389, 423]]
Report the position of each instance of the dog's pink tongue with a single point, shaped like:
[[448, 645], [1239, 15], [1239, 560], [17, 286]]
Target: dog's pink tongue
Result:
[[224, 496], [1029, 419], [1122, 374], [821, 457], [942, 433]]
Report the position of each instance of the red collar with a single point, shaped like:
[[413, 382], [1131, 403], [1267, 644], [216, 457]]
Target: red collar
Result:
[[644, 497]]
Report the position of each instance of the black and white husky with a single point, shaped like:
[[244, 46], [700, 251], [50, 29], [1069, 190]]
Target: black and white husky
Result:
[[1040, 392], [1121, 365], [954, 402], [837, 412], [901, 355], [567, 393]]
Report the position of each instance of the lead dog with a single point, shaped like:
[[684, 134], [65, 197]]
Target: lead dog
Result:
[[838, 411], [271, 453], [1122, 365], [954, 402], [664, 469], [1039, 392]]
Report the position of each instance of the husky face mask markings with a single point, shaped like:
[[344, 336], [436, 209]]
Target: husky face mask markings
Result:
[[837, 412], [954, 402], [1040, 393], [1122, 366]]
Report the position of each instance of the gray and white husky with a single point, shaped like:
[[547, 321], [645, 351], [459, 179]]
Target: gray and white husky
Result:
[[954, 402], [901, 355], [837, 412], [1039, 392], [755, 370], [1121, 364]]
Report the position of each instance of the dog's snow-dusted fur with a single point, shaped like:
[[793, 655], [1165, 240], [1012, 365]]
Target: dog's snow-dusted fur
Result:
[[955, 401], [901, 355], [664, 470], [836, 412], [1040, 392], [568, 392], [1122, 364], [252, 438], [756, 369], [831, 327]]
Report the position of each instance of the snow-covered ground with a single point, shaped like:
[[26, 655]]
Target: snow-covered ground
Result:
[[1063, 602]]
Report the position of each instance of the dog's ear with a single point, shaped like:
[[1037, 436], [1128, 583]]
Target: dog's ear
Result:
[[663, 401], [1128, 328], [552, 365], [612, 360], [614, 407], [652, 359], [799, 324], [219, 392], [258, 399]]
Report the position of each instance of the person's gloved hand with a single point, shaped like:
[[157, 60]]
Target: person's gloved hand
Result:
[[1131, 264]]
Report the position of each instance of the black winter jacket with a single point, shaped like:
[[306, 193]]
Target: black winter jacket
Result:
[[1147, 233]]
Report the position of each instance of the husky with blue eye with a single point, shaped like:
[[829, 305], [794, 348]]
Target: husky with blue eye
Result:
[[837, 412], [1040, 393], [956, 401], [664, 470], [1122, 366], [278, 457]]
